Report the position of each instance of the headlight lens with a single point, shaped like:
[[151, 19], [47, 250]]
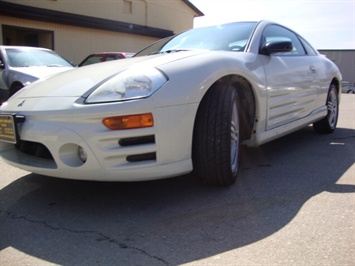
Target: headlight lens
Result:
[[130, 84]]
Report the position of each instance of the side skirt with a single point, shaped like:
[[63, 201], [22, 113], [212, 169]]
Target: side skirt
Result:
[[258, 139]]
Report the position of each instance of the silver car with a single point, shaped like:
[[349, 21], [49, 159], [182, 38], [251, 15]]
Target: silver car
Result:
[[21, 65]]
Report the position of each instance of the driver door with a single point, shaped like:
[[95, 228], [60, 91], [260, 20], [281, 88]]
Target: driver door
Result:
[[291, 93]]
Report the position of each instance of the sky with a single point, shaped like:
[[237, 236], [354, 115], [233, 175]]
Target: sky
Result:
[[326, 24]]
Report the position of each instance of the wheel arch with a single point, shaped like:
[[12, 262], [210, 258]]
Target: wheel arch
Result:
[[337, 84], [247, 101]]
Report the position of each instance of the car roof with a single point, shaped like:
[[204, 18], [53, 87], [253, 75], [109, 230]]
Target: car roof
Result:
[[23, 47]]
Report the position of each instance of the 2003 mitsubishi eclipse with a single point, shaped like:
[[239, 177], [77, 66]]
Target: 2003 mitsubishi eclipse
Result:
[[184, 104]]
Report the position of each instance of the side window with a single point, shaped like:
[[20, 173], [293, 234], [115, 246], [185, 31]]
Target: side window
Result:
[[309, 49], [278, 33], [111, 57]]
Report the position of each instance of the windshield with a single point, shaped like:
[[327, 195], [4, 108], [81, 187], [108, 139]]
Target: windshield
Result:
[[34, 57], [228, 37]]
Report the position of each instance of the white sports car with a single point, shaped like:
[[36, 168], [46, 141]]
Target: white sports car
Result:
[[186, 103]]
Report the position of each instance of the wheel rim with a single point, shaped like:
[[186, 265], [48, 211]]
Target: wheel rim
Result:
[[332, 106], [234, 139]]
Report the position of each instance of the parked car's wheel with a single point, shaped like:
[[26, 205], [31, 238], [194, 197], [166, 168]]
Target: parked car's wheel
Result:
[[216, 137], [15, 88], [328, 123]]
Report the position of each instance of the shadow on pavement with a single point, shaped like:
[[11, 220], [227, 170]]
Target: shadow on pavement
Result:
[[173, 221]]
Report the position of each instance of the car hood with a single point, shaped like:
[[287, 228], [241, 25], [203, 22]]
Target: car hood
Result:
[[40, 71], [78, 81]]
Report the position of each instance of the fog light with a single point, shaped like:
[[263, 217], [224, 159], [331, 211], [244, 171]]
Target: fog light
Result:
[[82, 154]]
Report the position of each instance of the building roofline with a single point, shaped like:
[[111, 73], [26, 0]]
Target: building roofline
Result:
[[194, 8], [47, 15]]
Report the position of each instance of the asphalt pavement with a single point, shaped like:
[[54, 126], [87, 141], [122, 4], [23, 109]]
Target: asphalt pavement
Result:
[[293, 204]]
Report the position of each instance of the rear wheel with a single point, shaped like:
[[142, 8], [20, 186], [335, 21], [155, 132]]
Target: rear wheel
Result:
[[328, 123], [217, 136]]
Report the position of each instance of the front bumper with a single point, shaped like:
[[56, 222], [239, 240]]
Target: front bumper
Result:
[[161, 151]]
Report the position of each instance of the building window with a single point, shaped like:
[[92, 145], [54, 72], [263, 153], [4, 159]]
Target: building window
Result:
[[127, 6]]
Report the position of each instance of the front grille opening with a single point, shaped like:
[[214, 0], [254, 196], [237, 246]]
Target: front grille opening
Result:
[[34, 148], [137, 141], [142, 157]]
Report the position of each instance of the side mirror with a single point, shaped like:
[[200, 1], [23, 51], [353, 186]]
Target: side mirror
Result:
[[276, 47]]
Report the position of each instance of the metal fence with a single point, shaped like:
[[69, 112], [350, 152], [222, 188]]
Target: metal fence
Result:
[[345, 60]]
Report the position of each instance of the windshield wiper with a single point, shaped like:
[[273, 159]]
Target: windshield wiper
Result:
[[54, 65], [169, 51]]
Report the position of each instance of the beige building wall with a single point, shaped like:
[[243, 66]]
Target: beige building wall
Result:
[[170, 14], [173, 15], [75, 43]]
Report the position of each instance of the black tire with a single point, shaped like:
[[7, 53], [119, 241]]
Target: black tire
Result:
[[329, 122], [216, 139], [15, 88]]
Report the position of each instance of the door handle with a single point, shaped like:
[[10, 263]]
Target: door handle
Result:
[[312, 69]]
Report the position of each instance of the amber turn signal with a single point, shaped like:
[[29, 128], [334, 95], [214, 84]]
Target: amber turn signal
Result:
[[129, 121]]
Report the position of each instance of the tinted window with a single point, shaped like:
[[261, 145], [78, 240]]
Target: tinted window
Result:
[[309, 49], [111, 57], [92, 60], [278, 33]]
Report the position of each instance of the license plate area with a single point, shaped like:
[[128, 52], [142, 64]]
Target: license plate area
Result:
[[8, 129]]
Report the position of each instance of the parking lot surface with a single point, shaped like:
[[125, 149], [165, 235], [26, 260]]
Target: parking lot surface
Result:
[[293, 204]]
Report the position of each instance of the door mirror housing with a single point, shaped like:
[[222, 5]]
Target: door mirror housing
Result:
[[274, 47]]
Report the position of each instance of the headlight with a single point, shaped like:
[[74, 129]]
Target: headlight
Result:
[[130, 84]]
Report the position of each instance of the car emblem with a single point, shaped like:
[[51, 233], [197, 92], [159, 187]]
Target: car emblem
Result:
[[21, 103]]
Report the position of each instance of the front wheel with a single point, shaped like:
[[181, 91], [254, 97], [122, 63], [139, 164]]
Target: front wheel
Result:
[[328, 123], [216, 137], [15, 88]]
